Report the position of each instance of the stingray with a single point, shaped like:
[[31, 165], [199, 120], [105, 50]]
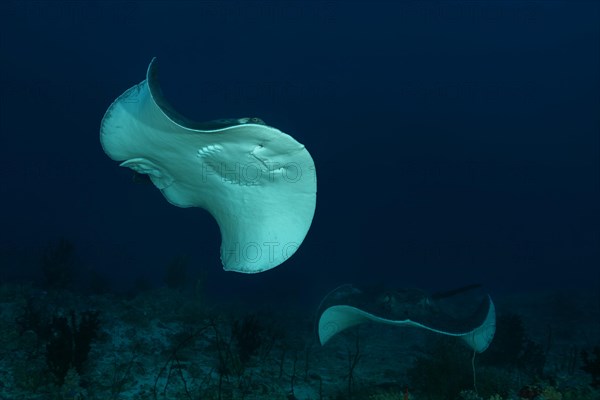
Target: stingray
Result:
[[348, 306], [256, 181]]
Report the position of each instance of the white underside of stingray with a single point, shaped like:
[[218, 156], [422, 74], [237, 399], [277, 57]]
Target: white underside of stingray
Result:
[[257, 182], [340, 317]]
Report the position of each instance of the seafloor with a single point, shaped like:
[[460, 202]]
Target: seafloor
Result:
[[168, 344]]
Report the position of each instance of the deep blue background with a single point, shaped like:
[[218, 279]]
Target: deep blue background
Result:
[[455, 142]]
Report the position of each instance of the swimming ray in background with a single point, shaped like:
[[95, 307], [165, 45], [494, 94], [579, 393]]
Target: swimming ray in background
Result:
[[256, 181], [348, 306]]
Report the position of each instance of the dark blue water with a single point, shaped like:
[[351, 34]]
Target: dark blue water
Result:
[[455, 142]]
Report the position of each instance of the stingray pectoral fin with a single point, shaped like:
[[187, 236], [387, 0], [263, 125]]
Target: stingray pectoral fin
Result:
[[479, 339], [478, 331], [256, 181], [339, 317]]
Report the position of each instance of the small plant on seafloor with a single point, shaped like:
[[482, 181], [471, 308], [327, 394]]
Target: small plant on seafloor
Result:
[[592, 365], [71, 388], [511, 348], [248, 335], [70, 342], [551, 393]]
